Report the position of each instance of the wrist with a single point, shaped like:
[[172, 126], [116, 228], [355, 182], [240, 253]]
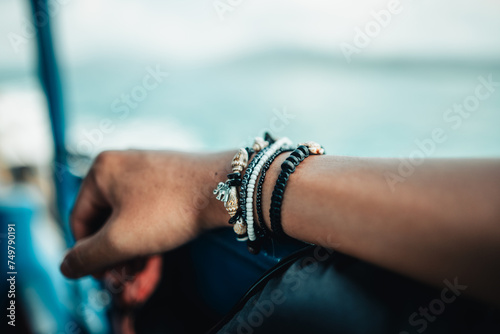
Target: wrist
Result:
[[212, 213]]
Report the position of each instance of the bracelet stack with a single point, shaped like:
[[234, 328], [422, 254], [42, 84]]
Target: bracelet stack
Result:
[[239, 203], [254, 246], [228, 193]]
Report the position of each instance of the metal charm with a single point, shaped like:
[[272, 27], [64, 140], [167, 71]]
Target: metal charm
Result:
[[222, 191]]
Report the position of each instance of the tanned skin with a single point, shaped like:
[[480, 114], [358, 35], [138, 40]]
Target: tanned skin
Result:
[[442, 222]]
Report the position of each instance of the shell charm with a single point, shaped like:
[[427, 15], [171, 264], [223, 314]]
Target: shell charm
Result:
[[231, 204], [259, 143], [239, 227], [240, 160], [314, 148]]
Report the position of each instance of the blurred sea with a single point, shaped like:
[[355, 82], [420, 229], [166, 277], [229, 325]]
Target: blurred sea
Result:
[[229, 80], [376, 108]]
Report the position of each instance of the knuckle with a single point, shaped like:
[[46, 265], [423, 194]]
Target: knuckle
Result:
[[104, 158], [104, 166]]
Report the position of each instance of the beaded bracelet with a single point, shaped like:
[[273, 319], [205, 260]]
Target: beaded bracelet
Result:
[[263, 229], [287, 168], [254, 173], [245, 182], [227, 192]]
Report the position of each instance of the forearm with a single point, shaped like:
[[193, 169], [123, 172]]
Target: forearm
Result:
[[442, 222]]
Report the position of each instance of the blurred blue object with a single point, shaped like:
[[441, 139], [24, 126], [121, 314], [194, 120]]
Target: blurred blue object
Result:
[[40, 288], [52, 303]]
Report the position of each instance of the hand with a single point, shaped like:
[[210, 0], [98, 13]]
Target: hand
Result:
[[138, 203]]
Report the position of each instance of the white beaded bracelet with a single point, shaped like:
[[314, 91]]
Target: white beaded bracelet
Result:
[[253, 179]]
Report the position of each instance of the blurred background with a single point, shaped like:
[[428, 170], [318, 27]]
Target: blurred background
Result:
[[364, 78]]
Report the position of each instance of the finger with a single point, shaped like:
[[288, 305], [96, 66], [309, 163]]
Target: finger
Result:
[[90, 255], [91, 208], [99, 275]]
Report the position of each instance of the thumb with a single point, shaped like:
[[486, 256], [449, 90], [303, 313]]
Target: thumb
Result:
[[88, 256]]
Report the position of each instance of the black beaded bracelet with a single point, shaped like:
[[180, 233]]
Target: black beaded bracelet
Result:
[[287, 168], [263, 230]]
